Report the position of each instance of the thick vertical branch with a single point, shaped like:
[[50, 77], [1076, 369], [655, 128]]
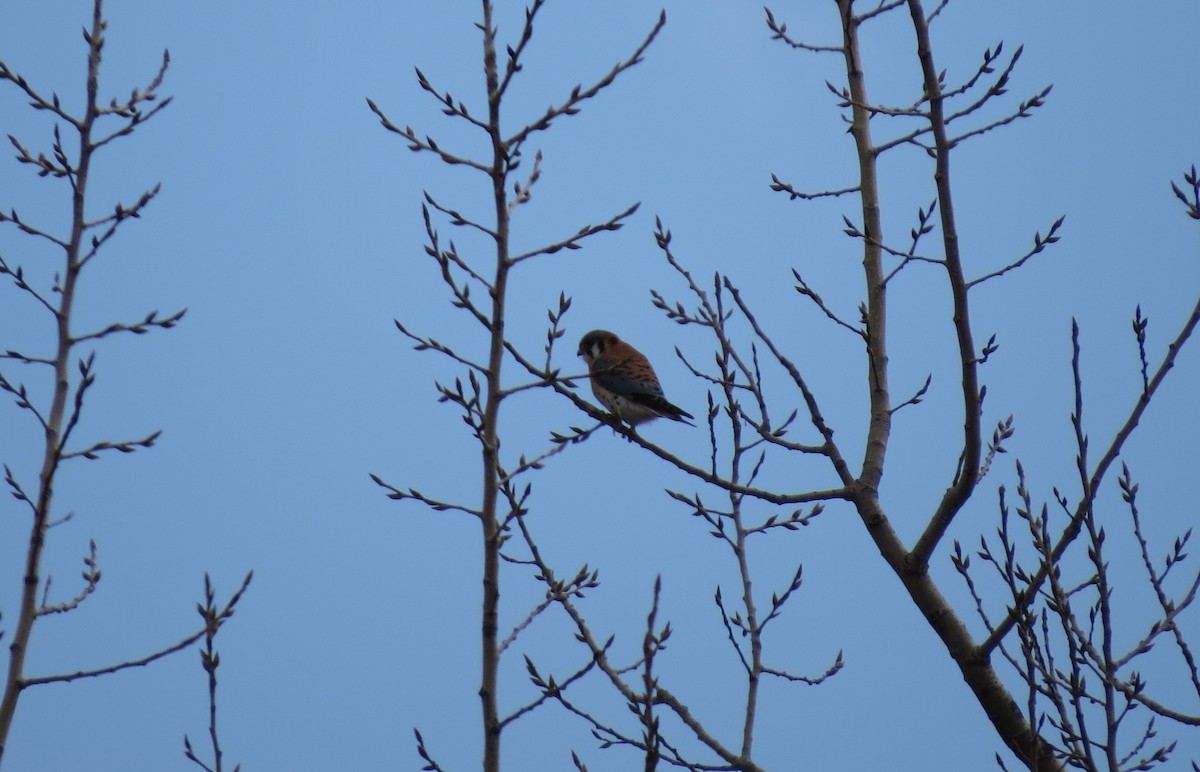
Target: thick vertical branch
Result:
[[876, 333], [978, 672], [482, 401], [968, 473], [52, 450], [911, 569], [491, 459], [866, 487], [997, 702]]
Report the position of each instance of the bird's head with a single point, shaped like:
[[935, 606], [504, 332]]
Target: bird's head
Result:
[[595, 343]]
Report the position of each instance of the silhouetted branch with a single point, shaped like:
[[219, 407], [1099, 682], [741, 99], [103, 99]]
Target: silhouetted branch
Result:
[[25, 227], [61, 409], [430, 764], [397, 494], [458, 220], [779, 31], [1024, 110], [916, 398], [210, 659], [936, 11], [612, 224], [1192, 203], [1039, 244], [454, 108], [1170, 608], [808, 292], [417, 144], [961, 488], [120, 214], [36, 100], [91, 578], [838, 663], [1098, 473], [22, 398], [883, 7], [579, 94], [481, 397], [224, 614], [513, 66], [779, 186], [550, 688], [924, 216]]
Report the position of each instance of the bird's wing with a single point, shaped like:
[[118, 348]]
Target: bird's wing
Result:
[[647, 393], [609, 375]]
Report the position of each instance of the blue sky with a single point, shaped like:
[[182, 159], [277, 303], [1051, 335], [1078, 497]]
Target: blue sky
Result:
[[289, 225]]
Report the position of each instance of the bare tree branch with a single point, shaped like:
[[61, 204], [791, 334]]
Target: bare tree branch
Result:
[[779, 31], [226, 612], [1097, 476], [578, 94]]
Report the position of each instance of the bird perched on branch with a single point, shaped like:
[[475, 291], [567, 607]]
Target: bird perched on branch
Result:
[[624, 381]]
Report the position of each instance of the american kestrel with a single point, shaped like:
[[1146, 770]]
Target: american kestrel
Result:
[[624, 381]]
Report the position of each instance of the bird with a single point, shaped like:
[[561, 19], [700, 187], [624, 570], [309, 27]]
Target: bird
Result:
[[624, 381]]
